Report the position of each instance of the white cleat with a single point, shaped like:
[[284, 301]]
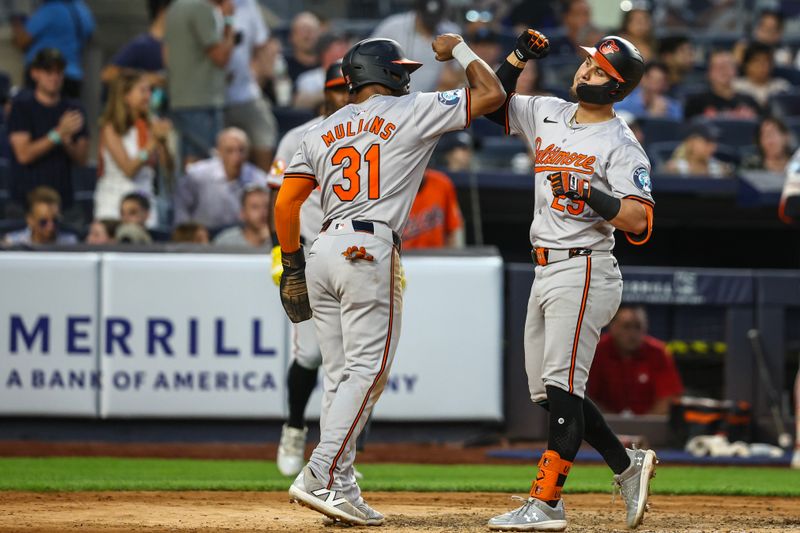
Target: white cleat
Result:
[[534, 515], [309, 492], [291, 449], [634, 484]]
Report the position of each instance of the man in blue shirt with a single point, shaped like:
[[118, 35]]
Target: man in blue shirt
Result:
[[649, 99], [66, 25]]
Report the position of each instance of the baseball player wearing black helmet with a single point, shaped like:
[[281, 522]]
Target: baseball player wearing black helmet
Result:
[[591, 177]]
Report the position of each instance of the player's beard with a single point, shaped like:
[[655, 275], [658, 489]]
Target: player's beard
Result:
[[573, 94]]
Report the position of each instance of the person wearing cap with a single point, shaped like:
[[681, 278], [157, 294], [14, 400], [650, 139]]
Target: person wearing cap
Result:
[[48, 134], [245, 106], [67, 26], [456, 151], [695, 155], [211, 190], [591, 178], [415, 30]]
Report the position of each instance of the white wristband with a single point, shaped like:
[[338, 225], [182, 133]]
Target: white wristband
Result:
[[464, 54]]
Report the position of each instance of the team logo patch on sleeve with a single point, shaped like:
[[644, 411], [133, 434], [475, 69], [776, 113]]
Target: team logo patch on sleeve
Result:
[[450, 97], [641, 178]]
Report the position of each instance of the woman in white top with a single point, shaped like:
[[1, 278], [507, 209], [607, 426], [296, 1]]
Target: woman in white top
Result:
[[131, 146]]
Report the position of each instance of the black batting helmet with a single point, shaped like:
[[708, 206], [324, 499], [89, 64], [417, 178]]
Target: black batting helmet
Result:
[[333, 76], [622, 62], [379, 61]]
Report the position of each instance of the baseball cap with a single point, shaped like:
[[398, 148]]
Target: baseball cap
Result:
[[707, 131], [333, 76], [49, 59]]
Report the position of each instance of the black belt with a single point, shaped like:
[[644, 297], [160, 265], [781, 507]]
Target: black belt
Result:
[[541, 256], [367, 227]]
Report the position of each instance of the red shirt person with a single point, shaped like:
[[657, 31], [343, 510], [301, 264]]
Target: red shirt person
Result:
[[435, 220], [632, 371]]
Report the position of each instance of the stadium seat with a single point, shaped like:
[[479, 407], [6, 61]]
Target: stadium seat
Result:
[[789, 74], [660, 152], [735, 132], [5, 192], [289, 118], [483, 127], [794, 125], [497, 152], [658, 130], [785, 104]]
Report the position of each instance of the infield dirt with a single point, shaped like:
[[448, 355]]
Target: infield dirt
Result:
[[233, 512]]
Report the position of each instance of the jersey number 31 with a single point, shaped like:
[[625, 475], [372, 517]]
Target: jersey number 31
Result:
[[351, 175]]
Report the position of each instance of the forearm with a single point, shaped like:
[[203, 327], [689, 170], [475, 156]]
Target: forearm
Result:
[[486, 92], [28, 152], [661, 407], [632, 217], [291, 196]]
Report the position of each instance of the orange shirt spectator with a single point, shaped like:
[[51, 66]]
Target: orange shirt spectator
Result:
[[435, 220], [632, 371]]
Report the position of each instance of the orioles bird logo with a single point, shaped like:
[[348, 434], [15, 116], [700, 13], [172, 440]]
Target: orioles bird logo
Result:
[[608, 47]]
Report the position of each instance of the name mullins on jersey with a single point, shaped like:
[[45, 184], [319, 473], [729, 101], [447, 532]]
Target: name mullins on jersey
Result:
[[377, 125], [560, 159]]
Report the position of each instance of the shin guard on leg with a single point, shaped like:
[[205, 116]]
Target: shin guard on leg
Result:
[[550, 479]]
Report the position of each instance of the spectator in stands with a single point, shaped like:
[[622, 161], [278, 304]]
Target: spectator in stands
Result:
[[457, 151], [199, 41], [310, 86], [758, 81], [145, 53], [649, 99], [524, 14], [42, 220], [695, 156], [211, 191], [677, 53], [254, 231], [245, 106], [721, 99], [102, 231], [768, 30], [632, 372], [435, 220], [637, 27], [774, 143], [48, 134], [134, 209], [415, 30], [303, 36], [576, 21], [190, 232], [132, 146], [65, 25]]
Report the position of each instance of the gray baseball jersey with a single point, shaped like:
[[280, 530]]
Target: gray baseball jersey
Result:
[[377, 150], [311, 212], [606, 153]]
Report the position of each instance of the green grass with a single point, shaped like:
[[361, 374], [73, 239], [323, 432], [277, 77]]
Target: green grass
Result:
[[102, 473]]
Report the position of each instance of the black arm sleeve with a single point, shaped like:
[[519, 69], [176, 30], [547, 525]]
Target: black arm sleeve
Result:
[[605, 205], [508, 75]]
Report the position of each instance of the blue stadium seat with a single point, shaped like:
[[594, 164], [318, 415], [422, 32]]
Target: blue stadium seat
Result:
[[660, 152], [794, 125], [658, 130], [785, 104], [792, 75], [4, 186], [497, 152], [483, 127], [289, 118], [735, 132]]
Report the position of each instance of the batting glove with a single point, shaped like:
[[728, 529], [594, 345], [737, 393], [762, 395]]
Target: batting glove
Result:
[[569, 185], [294, 292], [532, 44]]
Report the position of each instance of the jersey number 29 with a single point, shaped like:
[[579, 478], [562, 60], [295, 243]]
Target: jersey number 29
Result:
[[351, 174]]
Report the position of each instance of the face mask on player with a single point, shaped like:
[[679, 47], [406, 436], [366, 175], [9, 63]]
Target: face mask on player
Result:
[[606, 93]]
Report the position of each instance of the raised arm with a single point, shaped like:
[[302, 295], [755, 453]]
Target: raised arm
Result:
[[531, 44], [486, 92]]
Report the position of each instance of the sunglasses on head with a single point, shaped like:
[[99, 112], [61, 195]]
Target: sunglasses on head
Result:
[[44, 222]]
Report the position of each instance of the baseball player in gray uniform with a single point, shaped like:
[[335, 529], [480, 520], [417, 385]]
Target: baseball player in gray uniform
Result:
[[591, 177], [305, 352], [368, 159]]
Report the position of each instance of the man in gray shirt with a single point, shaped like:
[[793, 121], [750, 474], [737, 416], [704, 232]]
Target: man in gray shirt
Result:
[[254, 231], [211, 190], [198, 42]]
